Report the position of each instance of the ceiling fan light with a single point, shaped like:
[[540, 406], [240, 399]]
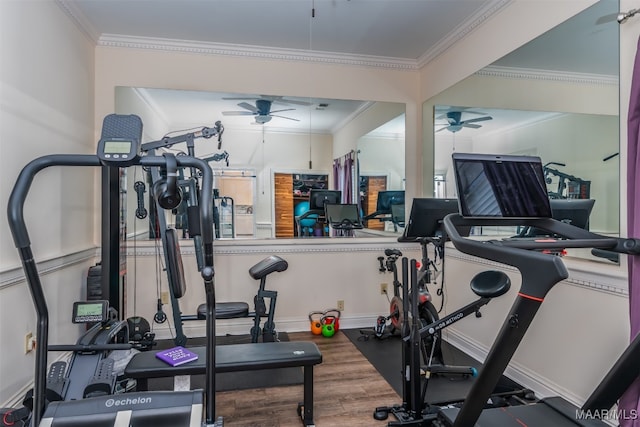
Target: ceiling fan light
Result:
[[263, 119]]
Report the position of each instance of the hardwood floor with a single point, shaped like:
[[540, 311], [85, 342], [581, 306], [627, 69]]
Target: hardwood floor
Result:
[[347, 388]]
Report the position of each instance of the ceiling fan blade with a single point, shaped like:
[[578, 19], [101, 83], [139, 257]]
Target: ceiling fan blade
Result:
[[240, 99], [286, 109], [274, 99], [607, 18], [478, 119], [472, 126], [237, 113], [283, 100], [294, 102], [248, 106], [441, 129], [444, 111], [283, 117]]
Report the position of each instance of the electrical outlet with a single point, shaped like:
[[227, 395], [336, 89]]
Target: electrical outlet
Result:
[[28, 342], [164, 297], [384, 287], [340, 305]]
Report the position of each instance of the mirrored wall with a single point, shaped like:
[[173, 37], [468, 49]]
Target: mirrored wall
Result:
[[263, 139], [565, 111]]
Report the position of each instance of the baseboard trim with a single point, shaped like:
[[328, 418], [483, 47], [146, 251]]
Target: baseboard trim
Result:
[[243, 326]]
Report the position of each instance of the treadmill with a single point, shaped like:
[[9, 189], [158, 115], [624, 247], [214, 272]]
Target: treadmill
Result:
[[510, 191]]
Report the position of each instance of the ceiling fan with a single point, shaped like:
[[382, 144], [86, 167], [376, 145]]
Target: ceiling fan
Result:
[[261, 110], [455, 123], [272, 98]]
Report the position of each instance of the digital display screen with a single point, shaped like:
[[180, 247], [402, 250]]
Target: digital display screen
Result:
[[117, 147], [501, 186], [89, 309], [338, 213]]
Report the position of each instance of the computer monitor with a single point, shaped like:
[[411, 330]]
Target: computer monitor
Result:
[[397, 215], [501, 186], [318, 198], [388, 198], [343, 216], [573, 211], [426, 218]]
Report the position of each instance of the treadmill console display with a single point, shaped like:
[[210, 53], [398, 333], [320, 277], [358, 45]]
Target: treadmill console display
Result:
[[118, 151], [501, 186], [90, 311]]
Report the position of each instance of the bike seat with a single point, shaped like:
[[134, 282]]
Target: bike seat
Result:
[[225, 310], [389, 252], [490, 284], [267, 266]]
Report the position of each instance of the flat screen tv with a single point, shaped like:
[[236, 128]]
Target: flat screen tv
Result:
[[388, 198], [318, 198], [501, 186], [425, 219]]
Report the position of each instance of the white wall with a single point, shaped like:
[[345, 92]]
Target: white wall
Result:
[[380, 155], [47, 107], [320, 273]]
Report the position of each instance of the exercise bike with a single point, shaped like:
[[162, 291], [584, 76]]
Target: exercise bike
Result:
[[417, 337], [390, 325]]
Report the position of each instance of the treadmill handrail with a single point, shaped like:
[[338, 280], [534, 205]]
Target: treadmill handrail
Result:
[[539, 271]]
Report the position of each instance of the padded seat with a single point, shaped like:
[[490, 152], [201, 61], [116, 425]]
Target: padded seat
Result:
[[490, 284], [225, 310]]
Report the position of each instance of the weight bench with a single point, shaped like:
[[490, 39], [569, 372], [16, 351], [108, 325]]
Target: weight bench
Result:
[[236, 358]]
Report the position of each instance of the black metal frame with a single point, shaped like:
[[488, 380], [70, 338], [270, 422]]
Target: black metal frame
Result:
[[540, 273], [17, 225]]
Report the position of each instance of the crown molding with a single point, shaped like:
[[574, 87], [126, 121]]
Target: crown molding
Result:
[[248, 51], [260, 52], [462, 30], [80, 19], [558, 76]]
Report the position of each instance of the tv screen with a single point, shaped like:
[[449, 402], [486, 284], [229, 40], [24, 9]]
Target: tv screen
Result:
[[501, 186], [318, 198], [339, 213], [388, 198], [425, 219], [573, 211]]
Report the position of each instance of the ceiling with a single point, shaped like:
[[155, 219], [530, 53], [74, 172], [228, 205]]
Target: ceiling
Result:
[[404, 32]]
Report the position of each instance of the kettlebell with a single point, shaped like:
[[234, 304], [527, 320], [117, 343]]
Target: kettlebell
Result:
[[328, 326], [316, 324], [333, 314]]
